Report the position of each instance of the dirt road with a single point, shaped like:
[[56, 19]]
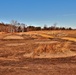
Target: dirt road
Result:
[[57, 66]]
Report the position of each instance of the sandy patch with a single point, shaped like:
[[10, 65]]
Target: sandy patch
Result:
[[13, 37], [15, 44], [56, 55], [70, 39], [51, 55], [46, 42]]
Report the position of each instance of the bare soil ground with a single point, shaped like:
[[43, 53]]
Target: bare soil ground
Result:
[[38, 53]]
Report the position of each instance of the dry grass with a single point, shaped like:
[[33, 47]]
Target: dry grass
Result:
[[47, 50], [54, 56], [69, 38], [41, 47]]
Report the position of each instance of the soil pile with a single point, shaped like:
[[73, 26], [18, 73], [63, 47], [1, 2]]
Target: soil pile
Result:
[[13, 37], [51, 50]]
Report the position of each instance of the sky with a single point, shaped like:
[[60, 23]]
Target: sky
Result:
[[39, 12]]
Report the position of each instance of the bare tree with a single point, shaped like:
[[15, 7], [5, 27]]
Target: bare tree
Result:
[[45, 27], [13, 22], [55, 24]]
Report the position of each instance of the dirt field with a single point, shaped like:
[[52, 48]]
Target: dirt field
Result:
[[38, 53]]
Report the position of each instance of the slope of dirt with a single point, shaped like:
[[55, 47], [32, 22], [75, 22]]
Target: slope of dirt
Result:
[[51, 49]]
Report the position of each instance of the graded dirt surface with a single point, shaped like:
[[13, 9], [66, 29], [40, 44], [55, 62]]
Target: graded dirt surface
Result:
[[56, 66], [38, 53]]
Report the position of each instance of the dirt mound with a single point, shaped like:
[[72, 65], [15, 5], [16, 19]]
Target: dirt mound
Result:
[[13, 37], [2, 32], [51, 50]]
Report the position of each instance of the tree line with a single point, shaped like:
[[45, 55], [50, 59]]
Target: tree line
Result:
[[15, 26]]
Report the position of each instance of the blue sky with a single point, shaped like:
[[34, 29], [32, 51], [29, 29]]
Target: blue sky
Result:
[[39, 12]]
